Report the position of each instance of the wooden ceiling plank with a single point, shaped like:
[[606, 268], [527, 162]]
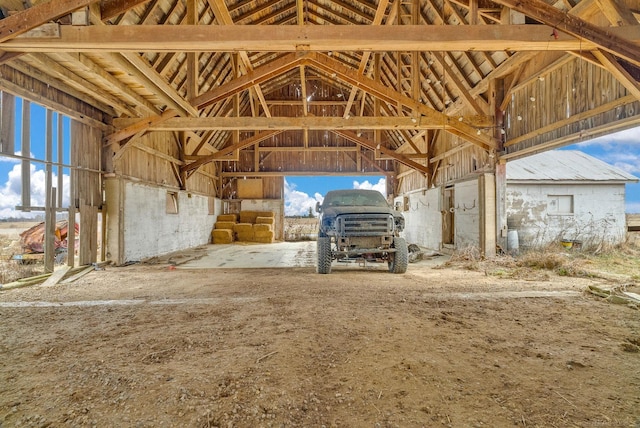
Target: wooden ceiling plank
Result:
[[112, 8], [577, 27], [79, 83], [259, 75], [613, 66], [25, 20], [617, 13], [88, 66]]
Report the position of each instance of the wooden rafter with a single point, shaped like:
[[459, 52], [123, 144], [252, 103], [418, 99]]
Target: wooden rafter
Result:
[[112, 8], [139, 126], [352, 136], [387, 95], [32, 17], [613, 66], [257, 76], [222, 14], [617, 44], [617, 13]]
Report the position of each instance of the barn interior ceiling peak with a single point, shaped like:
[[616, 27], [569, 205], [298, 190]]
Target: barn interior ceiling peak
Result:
[[435, 89]]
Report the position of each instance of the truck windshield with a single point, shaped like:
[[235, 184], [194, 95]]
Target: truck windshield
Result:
[[355, 198]]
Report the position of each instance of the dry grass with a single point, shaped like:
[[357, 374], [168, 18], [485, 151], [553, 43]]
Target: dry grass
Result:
[[11, 270], [597, 261]]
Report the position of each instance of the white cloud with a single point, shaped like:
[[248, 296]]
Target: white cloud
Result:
[[380, 186], [11, 191], [629, 136], [297, 202]]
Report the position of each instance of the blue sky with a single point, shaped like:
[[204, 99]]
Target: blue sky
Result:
[[621, 149]]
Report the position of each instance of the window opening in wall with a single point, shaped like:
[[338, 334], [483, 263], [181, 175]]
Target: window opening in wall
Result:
[[172, 203], [559, 204]]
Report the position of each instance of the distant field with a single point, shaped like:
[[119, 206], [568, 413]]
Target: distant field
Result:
[[13, 229], [300, 229]]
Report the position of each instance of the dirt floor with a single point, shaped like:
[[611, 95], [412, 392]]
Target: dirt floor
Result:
[[159, 346]]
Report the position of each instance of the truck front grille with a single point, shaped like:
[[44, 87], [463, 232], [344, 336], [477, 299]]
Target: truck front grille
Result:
[[364, 224]]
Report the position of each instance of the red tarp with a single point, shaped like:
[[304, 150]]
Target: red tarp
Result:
[[32, 239]]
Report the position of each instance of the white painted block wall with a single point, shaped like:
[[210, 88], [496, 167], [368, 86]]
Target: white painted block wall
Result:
[[599, 213], [423, 221], [148, 229], [467, 214]]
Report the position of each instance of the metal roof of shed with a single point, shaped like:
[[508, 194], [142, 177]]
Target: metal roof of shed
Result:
[[565, 165]]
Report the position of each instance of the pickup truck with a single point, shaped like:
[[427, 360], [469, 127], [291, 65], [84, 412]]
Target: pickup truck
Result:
[[360, 224]]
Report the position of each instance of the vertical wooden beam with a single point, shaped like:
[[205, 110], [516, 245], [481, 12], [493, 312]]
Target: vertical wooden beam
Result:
[[7, 123], [60, 159], [26, 152], [473, 12], [50, 195], [71, 220], [303, 87], [192, 57]]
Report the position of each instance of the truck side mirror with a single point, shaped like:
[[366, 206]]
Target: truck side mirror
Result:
[[318, 209]]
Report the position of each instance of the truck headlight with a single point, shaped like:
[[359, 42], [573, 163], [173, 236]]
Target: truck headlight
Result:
[[399, 221]]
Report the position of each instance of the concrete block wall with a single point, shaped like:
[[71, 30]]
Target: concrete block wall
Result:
[[139, 226], [422, 218], [599, 213], [467, 214]]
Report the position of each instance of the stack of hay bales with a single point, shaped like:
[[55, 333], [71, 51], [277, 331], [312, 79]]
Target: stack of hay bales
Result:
[[254, 226], [223, 230]]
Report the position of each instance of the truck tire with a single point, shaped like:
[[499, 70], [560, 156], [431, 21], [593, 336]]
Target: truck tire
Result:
[[399, 260], [324, 255]]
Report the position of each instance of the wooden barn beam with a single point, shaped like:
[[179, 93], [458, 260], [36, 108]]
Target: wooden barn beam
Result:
[[139, 126], [613, 66], [352, 136], [617, 13], [282, 123], [23, 21], [225, 152], [320, 38], [257, 76], [618, 44], [390, 96]]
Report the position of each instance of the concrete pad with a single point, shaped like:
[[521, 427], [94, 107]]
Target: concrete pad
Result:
[[245, 255]]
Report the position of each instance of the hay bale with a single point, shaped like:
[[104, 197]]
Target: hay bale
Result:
[[265, 214], [222, 236], [228, 217], [265, 220], [262, 228], [224, 225], [248, 216], [264, 237], [243, 231]]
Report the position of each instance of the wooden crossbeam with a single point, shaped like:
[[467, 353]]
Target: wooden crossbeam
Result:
[[613, 66], [352, 136], [32, 17], [316, 38], [618, 44], [112, 8], [225, 152], [139, 126], [390, 96], [257, 76], [251, 123]]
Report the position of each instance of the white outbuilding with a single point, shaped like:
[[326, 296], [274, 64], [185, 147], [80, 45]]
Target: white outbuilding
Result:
[[566, 195]]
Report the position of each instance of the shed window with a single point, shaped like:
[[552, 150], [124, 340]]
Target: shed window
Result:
[[172, 203], [559, 204]]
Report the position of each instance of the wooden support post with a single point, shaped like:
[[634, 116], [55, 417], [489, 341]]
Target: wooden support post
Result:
[[26, 151], [50, 230], [501, 205], [60, 160], [71, 221], [7, 123]]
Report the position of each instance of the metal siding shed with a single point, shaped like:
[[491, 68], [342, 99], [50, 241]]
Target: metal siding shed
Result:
[[565, 166]]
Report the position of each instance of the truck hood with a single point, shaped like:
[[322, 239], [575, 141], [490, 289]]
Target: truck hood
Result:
[[336, 211]]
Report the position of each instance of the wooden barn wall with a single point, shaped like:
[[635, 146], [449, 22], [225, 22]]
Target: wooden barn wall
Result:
[[150, 158], [29, 88], [452, 159], [583, 98], [86, 148], [272, 187]]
